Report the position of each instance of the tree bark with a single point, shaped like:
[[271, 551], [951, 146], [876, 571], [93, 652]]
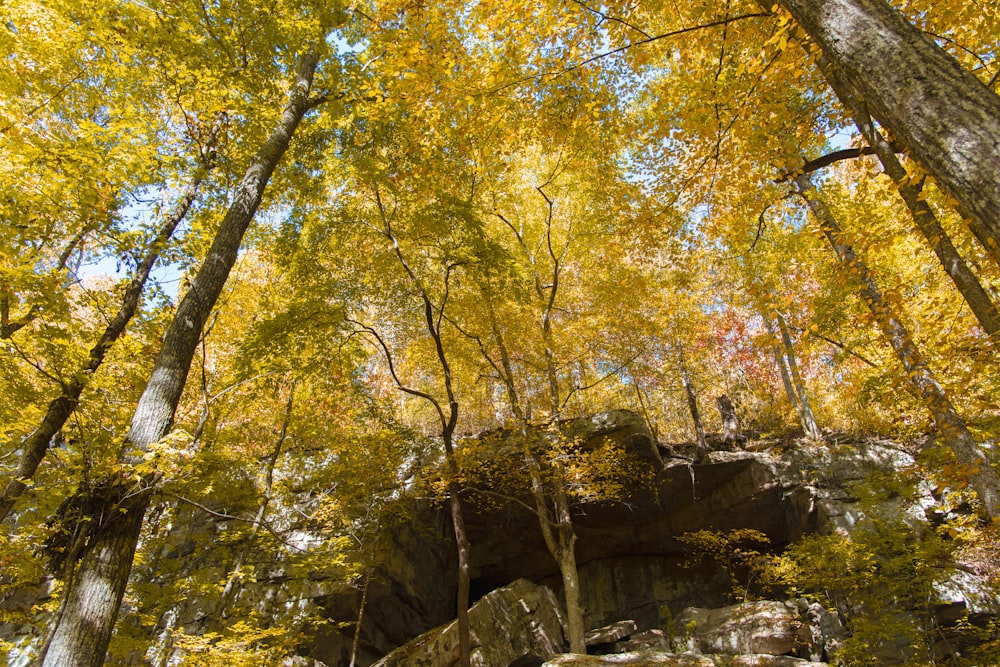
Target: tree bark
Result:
[[448, 423], [730, 422], [154, 414], [94, 592], [556, 523], [946, 118], [107, 560], [779, 359], [62, 407], [954, 433], [806, 415], [701, 447], [954, 265]]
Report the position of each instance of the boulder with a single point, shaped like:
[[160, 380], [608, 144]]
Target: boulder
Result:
[[650, 640], [610, 633], [652, 659], [519, 624], [763, 627]]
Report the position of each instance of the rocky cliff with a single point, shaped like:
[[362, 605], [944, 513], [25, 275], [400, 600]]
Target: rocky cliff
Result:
[[634, 566]]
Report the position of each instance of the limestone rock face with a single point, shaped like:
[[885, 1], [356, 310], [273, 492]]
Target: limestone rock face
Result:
[[610, 633], [519, 624], [651, 659], [769, 627], [412, 591]]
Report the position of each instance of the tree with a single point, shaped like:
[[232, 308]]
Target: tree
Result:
[[434, 317], [806, 416], [94, 593], [923, 216], [954, 432], [939, 111], [61, 408]]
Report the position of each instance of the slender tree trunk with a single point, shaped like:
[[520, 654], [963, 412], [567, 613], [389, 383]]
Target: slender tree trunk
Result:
[[356, 642], [954, 432], [809, 426], [570, 573], [779, 359], [954, 265], [556, 525], [557, 530], [701, 449], [464, 549], [648, 418], [107, 560], [62, 407], [947, 118], [229, 590], [448, 423], [730, 422]]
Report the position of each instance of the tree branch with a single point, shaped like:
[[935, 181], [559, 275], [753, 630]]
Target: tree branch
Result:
[[605, 17], [620, 49]]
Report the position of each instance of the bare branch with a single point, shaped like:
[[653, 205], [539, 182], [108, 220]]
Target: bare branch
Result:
[[392, 370], [605, 17], [613, 371], [621, 49]]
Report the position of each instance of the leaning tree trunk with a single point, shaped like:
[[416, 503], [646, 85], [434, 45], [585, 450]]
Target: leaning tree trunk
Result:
[[953, 430], [779, 359], [730, 421], [954, 265], [82, 633], [806, 415], [62, 407], [94, 590], [948, 120], [701, 447], [557, 531]]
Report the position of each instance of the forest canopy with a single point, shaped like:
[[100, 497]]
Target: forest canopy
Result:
[[296, 253]]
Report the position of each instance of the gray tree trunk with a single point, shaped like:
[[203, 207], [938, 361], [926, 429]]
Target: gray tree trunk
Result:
[[954, 433], [94, 591], [556, 524], [948, 120], [779, 359], [62, 407], [730, 422], [808, 419], [701, 446], [927, 223], [82, 633]]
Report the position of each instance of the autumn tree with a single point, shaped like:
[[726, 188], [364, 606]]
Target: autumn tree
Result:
[[101, 558]]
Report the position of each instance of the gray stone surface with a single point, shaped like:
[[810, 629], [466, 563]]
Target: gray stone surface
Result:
[[610, 633], [652, 658], [791, 627], [520, 622]]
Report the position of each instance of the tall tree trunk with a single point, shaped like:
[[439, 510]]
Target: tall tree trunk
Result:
[[954, 265], [806, 415], [107, 560], [94, 591], [730, 422], [954, 433], [62, 407], [701, 448], [947, 118], [779, 359], [566, 557], [356, 642], [448, 421], [556, 523], [557, 530]]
